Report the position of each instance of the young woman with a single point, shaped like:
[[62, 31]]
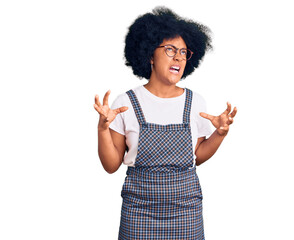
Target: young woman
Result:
[[163, 128]]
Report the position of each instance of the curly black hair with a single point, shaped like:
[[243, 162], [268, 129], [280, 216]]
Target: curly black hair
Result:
[[148, 32]]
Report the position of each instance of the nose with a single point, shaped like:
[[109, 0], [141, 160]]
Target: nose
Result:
[[177, 56]]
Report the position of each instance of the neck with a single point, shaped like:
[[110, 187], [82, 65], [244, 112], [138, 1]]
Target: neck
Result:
[[162, 90]]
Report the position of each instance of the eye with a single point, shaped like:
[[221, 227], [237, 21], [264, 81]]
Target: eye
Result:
[[184, 52], [169, 49]]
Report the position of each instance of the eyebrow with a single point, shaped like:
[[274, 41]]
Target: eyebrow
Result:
[[175, 46]]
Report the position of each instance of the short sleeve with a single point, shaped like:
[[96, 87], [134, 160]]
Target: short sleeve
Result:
[[118, 123], [203, 125]]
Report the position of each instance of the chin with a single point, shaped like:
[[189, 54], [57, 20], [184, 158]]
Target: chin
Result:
[[173, 81]]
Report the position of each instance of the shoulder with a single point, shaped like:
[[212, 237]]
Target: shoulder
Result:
[[198, 102], [120, 100], [124, 100], [197, 98], [139, 90]]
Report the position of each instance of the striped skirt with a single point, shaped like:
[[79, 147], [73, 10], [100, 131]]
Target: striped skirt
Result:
[[161, 206]]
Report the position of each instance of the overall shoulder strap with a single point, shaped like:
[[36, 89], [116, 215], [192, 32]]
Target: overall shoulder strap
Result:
[[187, 108], [137, 107]]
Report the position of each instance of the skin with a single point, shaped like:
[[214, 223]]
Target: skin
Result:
[[162, 83]]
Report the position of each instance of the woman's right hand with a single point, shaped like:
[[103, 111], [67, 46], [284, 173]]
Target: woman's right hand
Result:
[[107, 115]]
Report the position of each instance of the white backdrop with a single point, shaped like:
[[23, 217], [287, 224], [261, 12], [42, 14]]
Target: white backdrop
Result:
[[56, 55]]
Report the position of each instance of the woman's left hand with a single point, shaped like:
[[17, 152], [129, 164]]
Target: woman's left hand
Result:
[[223, 121]]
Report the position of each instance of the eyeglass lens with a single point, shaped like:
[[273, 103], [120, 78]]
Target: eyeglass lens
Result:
[[172, 51]]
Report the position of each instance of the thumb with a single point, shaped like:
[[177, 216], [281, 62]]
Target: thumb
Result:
[[121, 109], [205, 115]]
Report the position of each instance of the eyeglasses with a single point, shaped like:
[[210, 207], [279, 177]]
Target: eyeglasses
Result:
[[171, 51]]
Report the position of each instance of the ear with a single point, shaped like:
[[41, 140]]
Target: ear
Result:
[[151, 60]]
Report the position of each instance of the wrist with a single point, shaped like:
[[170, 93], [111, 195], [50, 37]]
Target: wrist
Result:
[[221, 132], [103, 126], [102, 129]]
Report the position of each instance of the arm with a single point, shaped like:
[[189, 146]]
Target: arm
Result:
[[111, 149], [111, 145], [206, 148]]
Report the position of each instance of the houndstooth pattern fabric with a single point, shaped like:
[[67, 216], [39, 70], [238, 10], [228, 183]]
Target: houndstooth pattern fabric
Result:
[[162, 197]]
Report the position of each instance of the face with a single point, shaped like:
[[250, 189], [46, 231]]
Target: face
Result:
[[168, 70]]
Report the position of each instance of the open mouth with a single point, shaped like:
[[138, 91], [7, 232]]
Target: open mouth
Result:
[[174, 69]]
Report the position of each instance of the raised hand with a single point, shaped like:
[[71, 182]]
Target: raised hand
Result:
[[223, 121], [107, 115]]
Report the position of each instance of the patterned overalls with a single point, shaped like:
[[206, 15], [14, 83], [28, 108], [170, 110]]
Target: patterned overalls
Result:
[[162, 197]]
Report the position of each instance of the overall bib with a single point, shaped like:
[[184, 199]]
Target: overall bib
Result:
[[162, 197]]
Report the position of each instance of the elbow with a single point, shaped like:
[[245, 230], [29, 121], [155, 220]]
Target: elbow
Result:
[[109, 167], [110, 170], [199, 160], [201, 157]]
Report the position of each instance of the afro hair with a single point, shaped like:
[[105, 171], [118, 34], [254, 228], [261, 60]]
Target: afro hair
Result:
[[148, 32]]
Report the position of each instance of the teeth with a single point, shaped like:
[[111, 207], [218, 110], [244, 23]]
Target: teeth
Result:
[[175, 67]]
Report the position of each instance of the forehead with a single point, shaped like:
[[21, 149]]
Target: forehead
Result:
[[177, 42]]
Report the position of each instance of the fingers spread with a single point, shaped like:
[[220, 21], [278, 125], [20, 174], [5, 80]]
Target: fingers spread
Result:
[[207, 116], [97, 108], [105, 99], [233, 114], [97, 101], [227, 111], [121, 109]]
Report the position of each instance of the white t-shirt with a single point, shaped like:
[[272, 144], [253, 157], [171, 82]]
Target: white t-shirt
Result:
[[159, 111]]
